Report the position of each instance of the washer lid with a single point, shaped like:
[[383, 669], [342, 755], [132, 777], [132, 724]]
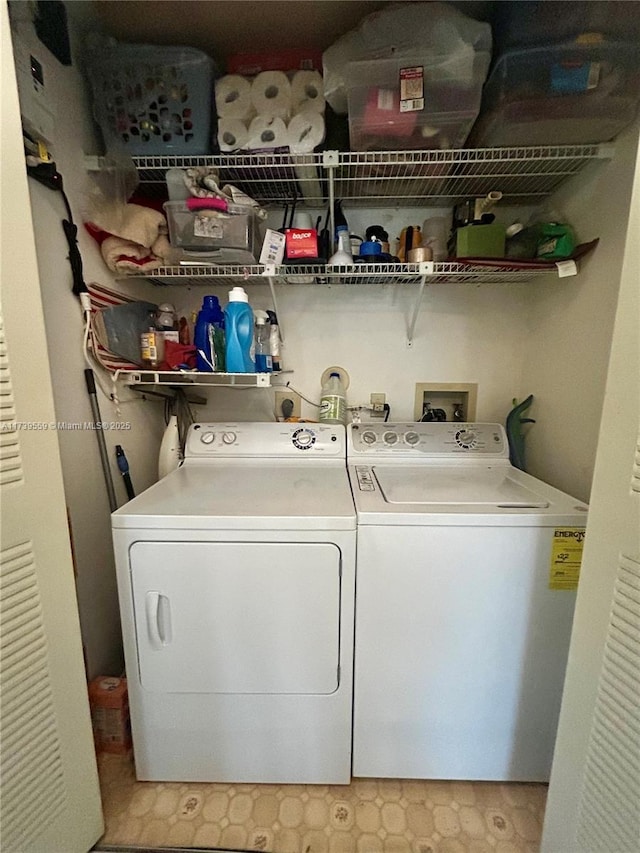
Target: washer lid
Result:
[[245, 496], [482, 487]]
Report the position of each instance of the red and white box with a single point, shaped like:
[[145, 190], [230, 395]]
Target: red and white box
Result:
[[301, 243], [109, 703]]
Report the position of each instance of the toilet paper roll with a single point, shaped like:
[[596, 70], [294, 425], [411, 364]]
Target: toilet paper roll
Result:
[[305, 132], [267, 132], [307, 93], [232, 134], [271, 94], [233, 98]]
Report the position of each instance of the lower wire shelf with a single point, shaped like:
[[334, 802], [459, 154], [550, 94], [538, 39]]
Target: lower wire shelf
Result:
[[193, 377]]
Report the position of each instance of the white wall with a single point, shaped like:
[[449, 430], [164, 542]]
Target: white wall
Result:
[[565, 349], [463, 334]]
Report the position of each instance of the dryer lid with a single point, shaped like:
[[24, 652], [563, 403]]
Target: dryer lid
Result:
[[452, 485]]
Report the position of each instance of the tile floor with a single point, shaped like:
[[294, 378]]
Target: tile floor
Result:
[[367, 816]]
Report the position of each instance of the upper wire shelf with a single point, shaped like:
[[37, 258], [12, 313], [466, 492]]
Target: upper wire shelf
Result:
[[405, 178]]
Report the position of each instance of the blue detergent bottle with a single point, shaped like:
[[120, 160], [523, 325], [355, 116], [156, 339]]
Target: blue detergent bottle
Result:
[[208, 337], [238, 324]]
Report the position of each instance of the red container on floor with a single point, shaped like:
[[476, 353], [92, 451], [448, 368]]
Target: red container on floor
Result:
[[109, 703]]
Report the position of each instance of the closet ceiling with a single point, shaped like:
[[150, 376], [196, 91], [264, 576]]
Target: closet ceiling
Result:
[[223, 27]]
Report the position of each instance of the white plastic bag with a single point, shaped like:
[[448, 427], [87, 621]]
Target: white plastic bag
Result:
[[436, 31]]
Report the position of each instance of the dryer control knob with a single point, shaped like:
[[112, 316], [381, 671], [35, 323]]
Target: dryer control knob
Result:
[[390, 437], [412, 438], [303, 439], [229, 437], [207, 437], [369, 437]]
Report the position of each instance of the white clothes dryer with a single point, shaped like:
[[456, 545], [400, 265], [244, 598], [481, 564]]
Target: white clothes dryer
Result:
[[236, 581], [462, 624]]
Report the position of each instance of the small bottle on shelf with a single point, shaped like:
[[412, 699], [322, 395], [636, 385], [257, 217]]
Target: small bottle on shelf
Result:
[[274, 341], [264, 362], [150, 354], [343, 257], [333, 401], [208, 337]]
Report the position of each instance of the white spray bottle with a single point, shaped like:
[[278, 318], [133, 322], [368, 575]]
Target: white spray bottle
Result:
[[170, 455]]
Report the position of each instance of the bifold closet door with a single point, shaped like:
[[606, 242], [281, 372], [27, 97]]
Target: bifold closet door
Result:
[[50, 798]]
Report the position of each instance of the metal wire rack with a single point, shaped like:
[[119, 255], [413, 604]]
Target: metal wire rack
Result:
[[523, 175], [378, 274], [268, 178], [193, 377], [405, 178]]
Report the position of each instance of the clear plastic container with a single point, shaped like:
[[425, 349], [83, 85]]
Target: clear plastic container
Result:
[[569, 94], [229, 239], [407, 102], [530, 23]]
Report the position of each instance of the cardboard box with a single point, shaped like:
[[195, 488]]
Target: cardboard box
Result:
[[292, 59], [109, 703], [481, 241], [301, 243]]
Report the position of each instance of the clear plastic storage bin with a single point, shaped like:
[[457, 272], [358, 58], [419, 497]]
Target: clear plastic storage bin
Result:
[[531, 23], [570, 94], [154, 100], [233, 239], [408, 102]]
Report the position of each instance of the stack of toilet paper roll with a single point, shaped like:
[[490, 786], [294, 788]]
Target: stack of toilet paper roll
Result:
[[272, 110]]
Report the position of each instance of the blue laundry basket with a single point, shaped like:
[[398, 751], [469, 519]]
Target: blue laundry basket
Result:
[[154, 100]]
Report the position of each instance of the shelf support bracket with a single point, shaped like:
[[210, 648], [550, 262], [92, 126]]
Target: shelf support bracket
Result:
[[426, 269], [270, 274], [331, 161]]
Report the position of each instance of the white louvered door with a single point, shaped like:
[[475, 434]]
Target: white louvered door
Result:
[[49, 797], [594, 795]]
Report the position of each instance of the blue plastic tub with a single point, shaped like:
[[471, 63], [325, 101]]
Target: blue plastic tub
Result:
[[154, 100]]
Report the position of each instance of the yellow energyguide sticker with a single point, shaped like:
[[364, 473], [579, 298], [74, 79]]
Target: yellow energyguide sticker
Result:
[[566, 557]]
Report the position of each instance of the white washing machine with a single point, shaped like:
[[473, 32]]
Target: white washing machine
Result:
[[462, 636], [236, 580]]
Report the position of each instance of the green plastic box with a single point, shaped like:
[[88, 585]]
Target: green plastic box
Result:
[[481, 241]]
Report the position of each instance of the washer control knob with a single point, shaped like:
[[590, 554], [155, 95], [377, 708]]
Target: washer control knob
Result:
[[369, 437], [390, 437], [229, 437], [207, 437], [303, 439], [412, 438], [466, 438]]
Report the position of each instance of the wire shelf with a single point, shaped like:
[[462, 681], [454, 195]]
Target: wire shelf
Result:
[[378, 274], [175, 377], [523, 175], [408, 178], [268, 178]]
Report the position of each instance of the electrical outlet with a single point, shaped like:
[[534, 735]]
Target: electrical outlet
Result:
[[377, 404], [280, 397]]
